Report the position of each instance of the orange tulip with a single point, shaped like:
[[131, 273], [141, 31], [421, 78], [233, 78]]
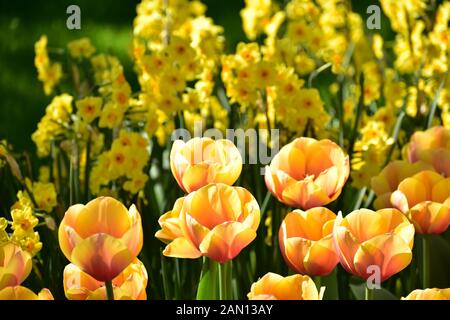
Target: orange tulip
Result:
[[201, 161], [101, 237], [170, 223], [366, 238], [308, 173], [130, 284], [425, 198], [389, 178], [429, 294], [306, 241], [15, 265], [22, 293], [431, 146], [275, 287], [216, 221]]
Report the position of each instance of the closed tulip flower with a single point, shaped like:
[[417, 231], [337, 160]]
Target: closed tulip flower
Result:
[[390, 177], [15, 265], [431, 146], [102, 237], [308, 173], [130, 284], [201, 161], [22, 293], [216, 221], [365, 239], [306, 241], [425, 198], [429, 294], [275, 287]]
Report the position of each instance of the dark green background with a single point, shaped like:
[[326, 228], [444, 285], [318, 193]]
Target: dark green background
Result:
[[107, 23]]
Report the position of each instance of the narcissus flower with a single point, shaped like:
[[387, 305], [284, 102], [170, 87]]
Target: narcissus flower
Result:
[[15, 265], [306, 241], [429, 294], [431, 146], [102, 237], [216, 221], [130, 284], [22, 293], [365, 239], [275, 287], [201, 161], [389, 178], [308, 173], [425, 198]]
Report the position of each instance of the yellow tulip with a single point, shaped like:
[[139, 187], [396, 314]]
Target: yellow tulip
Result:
[[15, 265], [201, 161], [130, 284], [389, 178], [22, 293], [306, 241], [429, 294], [216, 221], [431, 146], [365, 238], [425, 198], [102, 237], [275, 287], [308, 173]]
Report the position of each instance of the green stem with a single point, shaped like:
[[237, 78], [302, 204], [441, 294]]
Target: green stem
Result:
[[425, 263], [109, 290], [222, 282], [369, 293], [207, 286], [318, 282]]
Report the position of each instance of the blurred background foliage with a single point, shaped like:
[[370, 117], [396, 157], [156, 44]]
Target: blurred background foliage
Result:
[[107, 23]]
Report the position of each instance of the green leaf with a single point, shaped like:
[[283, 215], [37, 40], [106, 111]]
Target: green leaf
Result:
[[359, 291], [331, 286], [208, 285]]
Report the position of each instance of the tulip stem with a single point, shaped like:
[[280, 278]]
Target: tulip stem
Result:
[[425, 263], [109, 290], [222, 281], [369, 293]]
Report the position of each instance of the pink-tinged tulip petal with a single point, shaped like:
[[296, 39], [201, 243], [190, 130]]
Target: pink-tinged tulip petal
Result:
[[429, 294], [441, 190], [225, 241], [434, 138], [102, 255], [78, 284], [216, 221], [430, 217], [170, 223], [15, 265], [366, 238], [201, 161], [17, 293], [308, 173], [45, 294], [275, 287], [321, 258]]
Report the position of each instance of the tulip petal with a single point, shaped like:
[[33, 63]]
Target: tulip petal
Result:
[[182, 248]]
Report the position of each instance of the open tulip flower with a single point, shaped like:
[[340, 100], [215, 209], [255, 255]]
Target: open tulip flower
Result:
[[431, 146], [102, 237], [15, 265], [272, 286], [201, 161], [306, 241], [390, 177], [308, 173], [216, 221], [425, 198], [366, 238], [429, 294], [130, 284], [22, 293]]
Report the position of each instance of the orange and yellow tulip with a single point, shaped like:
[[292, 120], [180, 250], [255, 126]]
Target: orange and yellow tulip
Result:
[[272, 286], [389, 178], [429, 294], [366, 238], [15, 265], [22, 293], [431, 146], [306, 241], [308, 173], [102, 237], [201, 161], [216, 221], [425, 198], [130, 284]]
